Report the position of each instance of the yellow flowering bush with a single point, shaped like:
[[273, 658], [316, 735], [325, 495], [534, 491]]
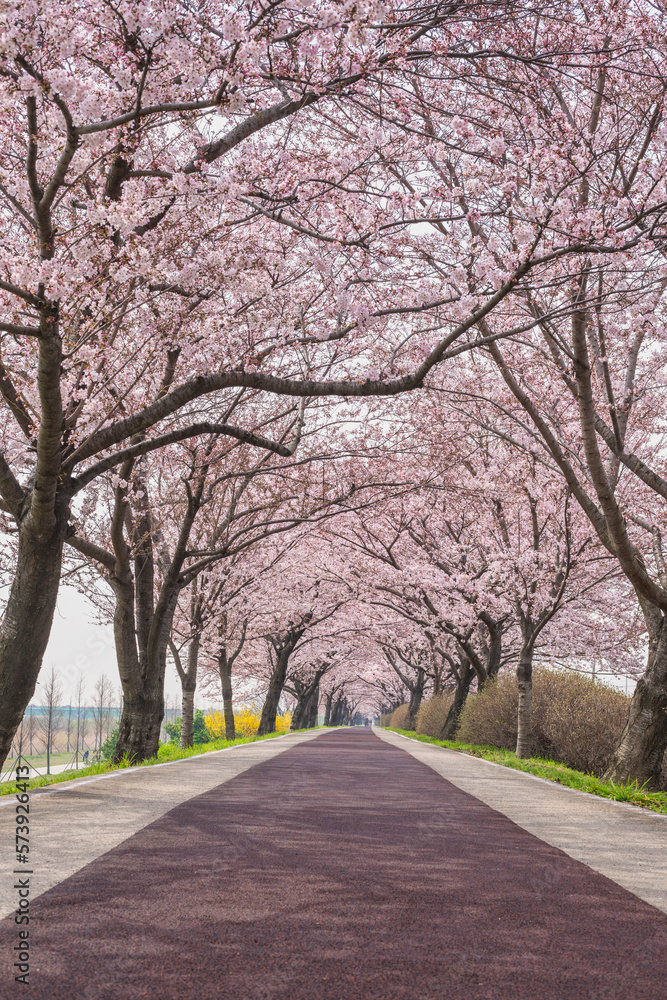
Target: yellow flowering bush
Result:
[[283, 722], [246, 721], [215, 723]]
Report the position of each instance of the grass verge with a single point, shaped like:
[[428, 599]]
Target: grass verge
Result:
[[553, 771], [167, 752]]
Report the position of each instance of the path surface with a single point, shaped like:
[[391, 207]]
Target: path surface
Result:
[[73, 823], [623, 842], [341, 869]]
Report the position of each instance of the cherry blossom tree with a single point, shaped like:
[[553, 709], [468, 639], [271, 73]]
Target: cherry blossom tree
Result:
[[172, 232]]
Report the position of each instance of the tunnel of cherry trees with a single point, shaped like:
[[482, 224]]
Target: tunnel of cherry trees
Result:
[[333, 354]]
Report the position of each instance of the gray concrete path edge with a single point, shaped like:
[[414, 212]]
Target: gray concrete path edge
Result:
[[76, 821], [625, 843]]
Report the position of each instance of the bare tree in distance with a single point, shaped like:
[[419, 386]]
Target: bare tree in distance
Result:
[[48, 723], [80, 722], [101, 708]]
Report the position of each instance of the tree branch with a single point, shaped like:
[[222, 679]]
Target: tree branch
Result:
[[92, 551], [194, 430], [20, 331], [10, 489]]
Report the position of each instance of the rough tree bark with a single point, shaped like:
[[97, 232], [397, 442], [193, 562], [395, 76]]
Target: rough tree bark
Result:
[[32, 599], [283, 647], [188, 675], [225, 661], [416, 696], [188, 678], [142, 624], [524, 673], [41, 510], [267, 722], [225, 671], [308, 697], [313, 708], [641, 750], [334, 699], [340, 715], [463, 678], [142, 670]]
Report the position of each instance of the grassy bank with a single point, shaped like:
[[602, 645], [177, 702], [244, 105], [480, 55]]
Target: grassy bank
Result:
[[553, 771], [167, 752]]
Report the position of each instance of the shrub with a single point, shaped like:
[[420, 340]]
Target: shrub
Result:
[[173, 729], [433, 713], [489, 717], [283, 722], [584, 721], [385, 718], [575, 721], [108, 747], [399, 717], [215, 723], [200, 733], [246, 721]]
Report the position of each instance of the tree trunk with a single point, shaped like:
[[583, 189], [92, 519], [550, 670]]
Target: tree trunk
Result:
[[187, 714], [463, 682], [226, 684], [639, 755], [341, 712], [327, 709], [189, 685], [139, 727], [308, 703], [524, 673], [313, 706], [48, 740], [267, 723], [300, 711], [142, 678], [26, 625], [416, 695]]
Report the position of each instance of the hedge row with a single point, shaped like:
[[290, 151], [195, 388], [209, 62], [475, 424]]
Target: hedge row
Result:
[[576, 721]]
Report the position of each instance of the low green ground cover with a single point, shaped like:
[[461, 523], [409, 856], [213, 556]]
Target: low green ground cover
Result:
[[167, 752], [552, 771], [39, 760]]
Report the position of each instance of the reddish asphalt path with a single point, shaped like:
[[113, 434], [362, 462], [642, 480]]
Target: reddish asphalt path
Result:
[[342, 869]]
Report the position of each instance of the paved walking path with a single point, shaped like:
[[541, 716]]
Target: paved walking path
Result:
[[623, 842], [343, 869], [73, 823]]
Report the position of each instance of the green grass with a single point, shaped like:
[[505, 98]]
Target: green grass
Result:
[[167, 752], [553, 771], [39, 760]]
